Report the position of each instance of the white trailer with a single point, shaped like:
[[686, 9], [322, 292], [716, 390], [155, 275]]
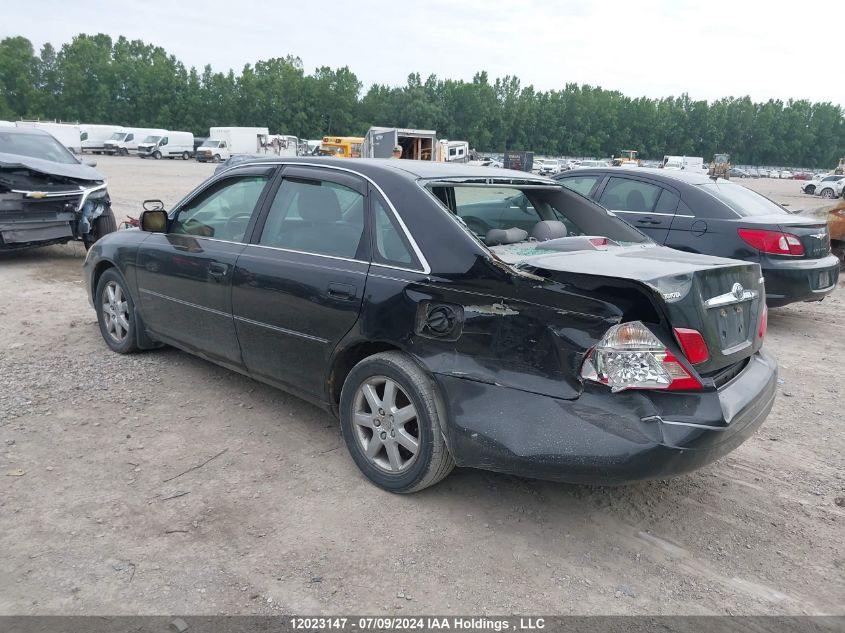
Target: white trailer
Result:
[[169, 145], [452, 151], [126, 140], [225, 142], [379, 142], [68, 134], [94, 137], [684, 163]]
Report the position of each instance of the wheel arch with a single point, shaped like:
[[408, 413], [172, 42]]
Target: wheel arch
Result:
[[345, 359]]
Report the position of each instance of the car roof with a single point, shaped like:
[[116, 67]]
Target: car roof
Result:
[[24, 130], [658, 174], [411, 169]]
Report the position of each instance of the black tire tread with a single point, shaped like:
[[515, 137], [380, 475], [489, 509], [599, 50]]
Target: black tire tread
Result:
[[442, 462]]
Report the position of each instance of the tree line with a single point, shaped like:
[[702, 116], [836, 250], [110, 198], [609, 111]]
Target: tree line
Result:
[[95, 79]]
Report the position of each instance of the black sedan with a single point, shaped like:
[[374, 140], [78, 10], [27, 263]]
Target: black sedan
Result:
[[450, 314], [694, 213]]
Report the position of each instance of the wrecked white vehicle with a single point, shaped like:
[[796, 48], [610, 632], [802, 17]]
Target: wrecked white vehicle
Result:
[[47, 196]]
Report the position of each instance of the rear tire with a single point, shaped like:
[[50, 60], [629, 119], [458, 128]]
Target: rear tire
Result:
[[827, 193], [377, 388], [116, 312]]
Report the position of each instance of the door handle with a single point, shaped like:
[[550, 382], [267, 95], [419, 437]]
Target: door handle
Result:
[[217, 271], [648, 220], [342, 291]]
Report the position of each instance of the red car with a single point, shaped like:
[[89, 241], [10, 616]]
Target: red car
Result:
[[803, 175]]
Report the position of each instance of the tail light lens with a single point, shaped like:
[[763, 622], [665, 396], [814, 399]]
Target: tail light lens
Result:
[[764, 322], [695, 349], [630, 356], [776, 242]]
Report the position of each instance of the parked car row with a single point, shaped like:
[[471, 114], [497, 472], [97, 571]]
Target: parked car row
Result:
[[824, 185]]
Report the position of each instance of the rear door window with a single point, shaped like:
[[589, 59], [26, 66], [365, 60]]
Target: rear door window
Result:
[[315, 216], [625, 194]]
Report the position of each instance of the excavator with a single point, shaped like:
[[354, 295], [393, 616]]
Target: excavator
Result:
[[839, 171], [720, 167]]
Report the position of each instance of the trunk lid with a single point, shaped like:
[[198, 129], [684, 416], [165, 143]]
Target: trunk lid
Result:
[[813, 234], [721, 298]]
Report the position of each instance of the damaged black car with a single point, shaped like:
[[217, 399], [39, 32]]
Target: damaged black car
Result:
[[450, 315], [46, 195]]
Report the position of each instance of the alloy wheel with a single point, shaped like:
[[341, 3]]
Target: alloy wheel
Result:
[[115, 309], [385, 424]]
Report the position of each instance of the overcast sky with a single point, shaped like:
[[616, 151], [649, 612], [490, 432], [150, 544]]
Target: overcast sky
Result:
[[709, 49]]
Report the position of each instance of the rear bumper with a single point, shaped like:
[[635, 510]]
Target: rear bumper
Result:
[[790, 281], [604, 438]]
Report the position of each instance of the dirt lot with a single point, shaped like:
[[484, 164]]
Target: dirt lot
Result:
[[93, 521]]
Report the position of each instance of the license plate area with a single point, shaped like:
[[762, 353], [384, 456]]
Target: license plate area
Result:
[[731, 324]]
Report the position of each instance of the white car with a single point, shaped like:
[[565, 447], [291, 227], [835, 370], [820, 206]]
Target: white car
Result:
[[594, 163], [786, 175], [815, 186], [549, 168]]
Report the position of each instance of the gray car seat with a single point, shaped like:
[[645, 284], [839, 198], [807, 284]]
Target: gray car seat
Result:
[[323, 229], [548, 230]]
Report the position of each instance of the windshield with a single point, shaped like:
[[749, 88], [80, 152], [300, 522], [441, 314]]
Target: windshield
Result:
[[741, 199], [118, 136], [485, 208], [40, 146], [152, 139], [210, 143]]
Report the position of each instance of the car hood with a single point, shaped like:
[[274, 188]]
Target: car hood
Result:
[[66, 170]]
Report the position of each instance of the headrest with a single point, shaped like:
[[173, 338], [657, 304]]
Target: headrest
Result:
[[512, 235], [635, 200], [318, 204], [548, 230]]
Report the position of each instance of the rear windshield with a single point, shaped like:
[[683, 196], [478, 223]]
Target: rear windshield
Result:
[[483, 208], [36, 146], [741, 199]]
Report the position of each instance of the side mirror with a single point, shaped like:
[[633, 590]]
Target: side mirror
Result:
[[90, 163], [154, 220]]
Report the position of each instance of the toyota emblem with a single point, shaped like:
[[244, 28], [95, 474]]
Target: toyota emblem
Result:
[[738, 291]]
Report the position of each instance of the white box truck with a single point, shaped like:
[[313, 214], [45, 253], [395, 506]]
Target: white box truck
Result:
[[416, 144], [168, 145], [126, 140], [224, 142], [94, 137], [68, 134]]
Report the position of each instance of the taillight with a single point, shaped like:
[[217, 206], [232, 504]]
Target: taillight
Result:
[[764, 322], [776, 242], [695, 349], [630, 356]]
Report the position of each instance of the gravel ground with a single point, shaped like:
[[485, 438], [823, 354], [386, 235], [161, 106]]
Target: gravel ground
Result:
[[96, 516]]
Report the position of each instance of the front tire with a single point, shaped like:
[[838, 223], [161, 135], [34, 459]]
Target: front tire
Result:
[[123, 151], [116, 313], [390, 416], [185, 155], [157, 155], [216, 158]]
